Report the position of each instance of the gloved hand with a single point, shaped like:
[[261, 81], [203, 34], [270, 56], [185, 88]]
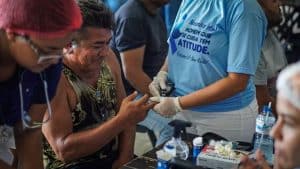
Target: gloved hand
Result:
[[167, 106], [159, 82]]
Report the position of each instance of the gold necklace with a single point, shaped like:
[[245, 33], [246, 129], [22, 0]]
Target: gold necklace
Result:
[[95, 92]]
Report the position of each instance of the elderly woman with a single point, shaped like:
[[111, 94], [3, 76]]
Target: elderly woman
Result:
[[286, 131]]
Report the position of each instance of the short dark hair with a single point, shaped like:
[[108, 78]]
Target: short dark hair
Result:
[[95, 14]]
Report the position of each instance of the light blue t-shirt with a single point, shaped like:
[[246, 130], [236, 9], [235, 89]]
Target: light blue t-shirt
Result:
[[211, 38]]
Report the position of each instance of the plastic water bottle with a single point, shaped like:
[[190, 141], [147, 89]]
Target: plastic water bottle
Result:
[[176, 146], [262, 139], [163, 159]]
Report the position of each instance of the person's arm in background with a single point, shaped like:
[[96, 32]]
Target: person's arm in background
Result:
[[132, 61], [130, 41], [127, 136], [263, 96], [70, 146]]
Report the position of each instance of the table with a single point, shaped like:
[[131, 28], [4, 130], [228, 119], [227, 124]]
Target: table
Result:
[[149, 160]]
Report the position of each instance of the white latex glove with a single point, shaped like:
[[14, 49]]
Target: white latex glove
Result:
[[159, 82], [167, 106]]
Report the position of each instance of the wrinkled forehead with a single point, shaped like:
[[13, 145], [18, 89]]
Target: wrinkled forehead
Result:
[[286, 107], [288, 84]]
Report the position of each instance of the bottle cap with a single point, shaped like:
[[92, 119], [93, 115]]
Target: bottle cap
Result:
[[265, 109], [197, 141]]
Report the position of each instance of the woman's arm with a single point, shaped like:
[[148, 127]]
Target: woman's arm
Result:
[[220, 90]]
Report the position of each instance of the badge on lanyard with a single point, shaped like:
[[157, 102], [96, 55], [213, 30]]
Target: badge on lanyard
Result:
[[7, 137], [7, 142]]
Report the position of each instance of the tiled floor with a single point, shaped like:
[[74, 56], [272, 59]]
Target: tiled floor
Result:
[[142, 144]]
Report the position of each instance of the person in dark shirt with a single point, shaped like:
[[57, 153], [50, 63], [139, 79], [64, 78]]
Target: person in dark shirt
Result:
[[32, 35], [140, 41]]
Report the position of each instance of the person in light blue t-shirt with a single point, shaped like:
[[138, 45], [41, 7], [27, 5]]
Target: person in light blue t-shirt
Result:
[[214, 48]]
